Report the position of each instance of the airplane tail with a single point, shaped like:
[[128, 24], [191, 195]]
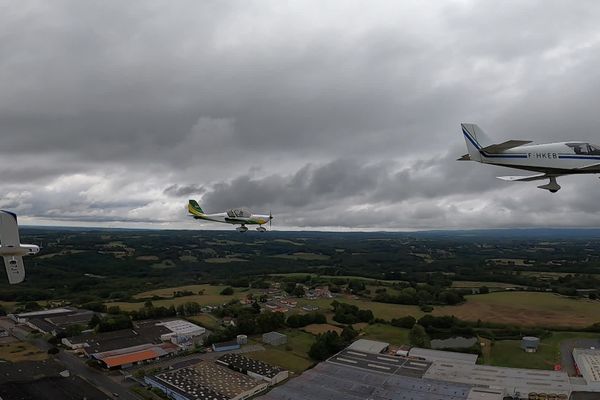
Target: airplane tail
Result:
[[194, 207], [476, 140]]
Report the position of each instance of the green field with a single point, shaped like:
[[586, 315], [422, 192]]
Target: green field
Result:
[[303, 256], [205, 320], [211, 296], [21, 351], [293, 356], [490, 285], [507, 353], [526, 309], [386, 333]]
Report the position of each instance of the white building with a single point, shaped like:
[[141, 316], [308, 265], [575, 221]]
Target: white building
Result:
[[588, 363], [181, 331], [369, 346]]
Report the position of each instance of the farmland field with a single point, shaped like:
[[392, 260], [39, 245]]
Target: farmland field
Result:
[[20, 351], [507, 353], [293, 356], [526, 309]]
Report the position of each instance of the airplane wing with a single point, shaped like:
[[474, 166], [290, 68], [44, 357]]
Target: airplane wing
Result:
[[525, 178], [589, 167], [15, 269], [466, 157], [500, 147], [9, 230]]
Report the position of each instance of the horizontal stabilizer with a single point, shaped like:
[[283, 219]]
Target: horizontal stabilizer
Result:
[[500, 147], [524, 178], [589, 167], [466, 157]]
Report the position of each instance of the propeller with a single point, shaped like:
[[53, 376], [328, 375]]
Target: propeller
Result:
[[270, 219]]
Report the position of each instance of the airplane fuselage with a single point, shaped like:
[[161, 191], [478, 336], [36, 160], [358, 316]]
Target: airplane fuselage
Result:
[[254, 219], [552, 158]]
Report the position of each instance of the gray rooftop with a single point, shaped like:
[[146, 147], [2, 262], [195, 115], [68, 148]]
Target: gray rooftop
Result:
[[243, 364], [439, 355], [329, 381]]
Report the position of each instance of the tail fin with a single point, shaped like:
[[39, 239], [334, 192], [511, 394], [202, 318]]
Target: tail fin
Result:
[[194, 207], [476, 140]]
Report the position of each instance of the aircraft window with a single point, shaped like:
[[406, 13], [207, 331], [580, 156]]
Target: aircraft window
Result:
[[238, 213], [594, 150], [579, 148]]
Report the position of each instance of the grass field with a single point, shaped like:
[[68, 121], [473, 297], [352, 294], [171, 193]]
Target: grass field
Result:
[[205, 320], [295, 359], [303, 256], [380, 310], [386, 333], [507, 353], [224, 260], [211, 296], [8, 306], [526, 309], [316, 329], [21, 351], [490, 285]]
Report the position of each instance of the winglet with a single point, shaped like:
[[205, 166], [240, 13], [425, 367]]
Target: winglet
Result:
[[194, 207]]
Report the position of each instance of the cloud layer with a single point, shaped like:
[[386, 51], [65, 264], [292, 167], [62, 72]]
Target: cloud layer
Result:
[[332, 115]]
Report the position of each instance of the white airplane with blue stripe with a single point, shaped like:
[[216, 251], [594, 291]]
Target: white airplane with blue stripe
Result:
[[550, 160]]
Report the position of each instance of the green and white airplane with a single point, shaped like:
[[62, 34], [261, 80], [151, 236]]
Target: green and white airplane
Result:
[[235, 216]]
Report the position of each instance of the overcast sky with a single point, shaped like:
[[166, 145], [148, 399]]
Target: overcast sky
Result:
[[332, 114]]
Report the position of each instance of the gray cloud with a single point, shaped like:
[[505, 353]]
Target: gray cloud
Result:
[[333, 115]]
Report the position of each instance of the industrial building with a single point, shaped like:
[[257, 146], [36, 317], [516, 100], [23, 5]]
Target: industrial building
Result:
[[254, 368], [274, 338], [512, 380], [129, 356], [360, 372], [530, 344], [206, 380], [226, 346], [332, 381], [439, 355], [53, 321], [181, 332], [588, 364], [369, 346]]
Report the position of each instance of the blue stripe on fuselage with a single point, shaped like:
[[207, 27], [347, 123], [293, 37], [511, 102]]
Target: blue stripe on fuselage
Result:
[[579, 157]]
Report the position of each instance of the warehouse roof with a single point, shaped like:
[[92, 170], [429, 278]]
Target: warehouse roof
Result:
[[130, 358], [369, 346], [438, 355], [588, 362], [512, 379], [241, 363]]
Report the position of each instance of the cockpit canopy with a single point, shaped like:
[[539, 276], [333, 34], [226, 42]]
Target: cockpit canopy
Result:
[[239, 213], [585, 148]]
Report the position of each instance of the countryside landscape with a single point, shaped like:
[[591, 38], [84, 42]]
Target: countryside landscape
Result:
[[496, 286]]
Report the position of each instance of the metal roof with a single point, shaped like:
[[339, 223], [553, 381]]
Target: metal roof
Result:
[[369, 346], [241, 363], [439, 355]]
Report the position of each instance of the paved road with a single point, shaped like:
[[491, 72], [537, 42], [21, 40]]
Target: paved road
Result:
[[77, 366]]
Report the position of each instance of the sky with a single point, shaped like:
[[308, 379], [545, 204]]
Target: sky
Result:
[[334, 115]]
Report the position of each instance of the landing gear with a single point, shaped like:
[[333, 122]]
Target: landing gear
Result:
[[552, 187], [242, 229], [261, 229]]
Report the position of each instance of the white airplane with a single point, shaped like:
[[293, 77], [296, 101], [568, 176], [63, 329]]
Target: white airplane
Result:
[[236, 216], [11, 248], [551, 160]]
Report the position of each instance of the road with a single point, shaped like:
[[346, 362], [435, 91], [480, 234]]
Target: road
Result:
[[77, 366]]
